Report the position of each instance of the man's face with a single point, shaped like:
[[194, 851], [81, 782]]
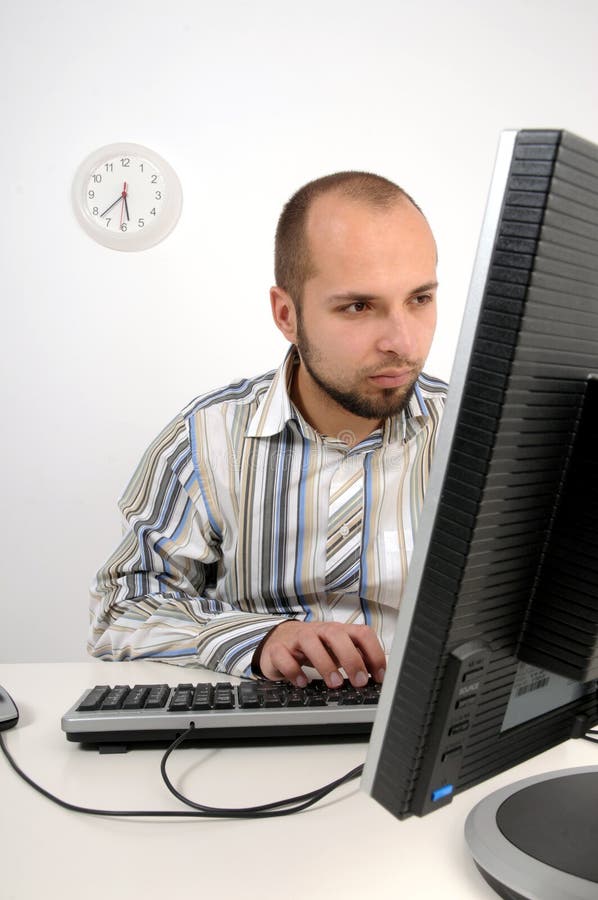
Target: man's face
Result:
[[367, 317]]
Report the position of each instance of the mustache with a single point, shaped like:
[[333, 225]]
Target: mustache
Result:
[[399, 363]]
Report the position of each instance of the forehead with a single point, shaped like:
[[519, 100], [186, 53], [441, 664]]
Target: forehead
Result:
[[351, 236]]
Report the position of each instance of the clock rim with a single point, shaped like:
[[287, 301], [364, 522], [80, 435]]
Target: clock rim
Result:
[[128, 241]]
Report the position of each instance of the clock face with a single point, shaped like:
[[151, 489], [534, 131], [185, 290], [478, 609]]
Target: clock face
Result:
[[127, 197]]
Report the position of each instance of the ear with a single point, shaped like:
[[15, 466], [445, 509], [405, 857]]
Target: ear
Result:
[[284, 313]]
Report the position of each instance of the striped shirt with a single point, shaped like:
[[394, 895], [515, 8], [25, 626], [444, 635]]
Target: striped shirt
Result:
[[235, 517]]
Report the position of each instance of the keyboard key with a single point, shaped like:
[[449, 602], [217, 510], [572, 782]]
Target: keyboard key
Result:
[[157, 697], [94, 698], [371, 695], [136, 696], [182, 698], [114, 699], [334, 696], [223, 696], [273, 695], [317, 699], [203, 697], [295, 698], [350, 698], [248, 695]]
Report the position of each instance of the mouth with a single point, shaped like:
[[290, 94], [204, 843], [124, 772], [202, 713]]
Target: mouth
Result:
[[390, 378]]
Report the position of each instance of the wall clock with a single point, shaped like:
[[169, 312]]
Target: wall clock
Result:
[[126, 196]]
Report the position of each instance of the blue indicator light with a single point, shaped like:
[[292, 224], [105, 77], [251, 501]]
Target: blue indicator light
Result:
[[442, 792]]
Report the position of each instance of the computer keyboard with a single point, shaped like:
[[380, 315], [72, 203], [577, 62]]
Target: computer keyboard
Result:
[[118, 717]]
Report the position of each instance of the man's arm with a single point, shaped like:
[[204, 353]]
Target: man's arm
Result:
[[147, 600]]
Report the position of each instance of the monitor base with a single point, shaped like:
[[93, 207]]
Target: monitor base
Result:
[[536, 839]]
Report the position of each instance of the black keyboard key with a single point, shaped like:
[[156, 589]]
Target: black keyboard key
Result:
[[157, 697], [224, 696], [115, 698], [94, 698], [273, 696], [350, 698], [317, 699], [295, 698], [203, 697], [182, 698], [248, 695], [371, 695], [136, 697]]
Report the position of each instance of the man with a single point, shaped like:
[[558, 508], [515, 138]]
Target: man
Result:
[[269, 527]]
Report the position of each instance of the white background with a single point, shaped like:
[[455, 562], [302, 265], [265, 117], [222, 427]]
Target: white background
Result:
[[247, 101]]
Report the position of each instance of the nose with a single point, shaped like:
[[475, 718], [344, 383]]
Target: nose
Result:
[[397, 335]]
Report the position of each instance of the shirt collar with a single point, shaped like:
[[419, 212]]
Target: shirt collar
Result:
[[402, 427], [276, 409]]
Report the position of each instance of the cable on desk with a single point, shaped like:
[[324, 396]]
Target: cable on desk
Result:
[[592, 735], [276, 808]]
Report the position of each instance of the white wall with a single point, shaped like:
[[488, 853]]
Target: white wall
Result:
[[247, 100]]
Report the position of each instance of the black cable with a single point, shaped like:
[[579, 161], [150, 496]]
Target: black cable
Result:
[[74, 807], [201, 812], [295, 804]]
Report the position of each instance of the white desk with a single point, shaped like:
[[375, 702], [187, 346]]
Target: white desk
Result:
[[347, 846]]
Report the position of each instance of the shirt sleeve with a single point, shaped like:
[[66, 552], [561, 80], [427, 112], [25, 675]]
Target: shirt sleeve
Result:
[[148, 601]]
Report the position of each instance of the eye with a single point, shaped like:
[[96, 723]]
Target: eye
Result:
[[422, 299], [356, 307]]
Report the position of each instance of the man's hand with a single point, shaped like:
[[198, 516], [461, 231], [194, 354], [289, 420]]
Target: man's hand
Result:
[[327, 647]]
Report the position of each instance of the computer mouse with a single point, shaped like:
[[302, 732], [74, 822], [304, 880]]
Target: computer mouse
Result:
[[9, 714]]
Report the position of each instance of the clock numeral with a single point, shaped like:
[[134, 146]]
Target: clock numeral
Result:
[[125, 162], [91, 194], [97, 178], [123, 227], [96, 210], [109, 167], [158, 195], [154, 179], [140, 223], [108, 222], [141, 166], [153, 211]]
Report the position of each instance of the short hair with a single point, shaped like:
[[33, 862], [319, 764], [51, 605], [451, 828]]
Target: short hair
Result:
[[293, 265]]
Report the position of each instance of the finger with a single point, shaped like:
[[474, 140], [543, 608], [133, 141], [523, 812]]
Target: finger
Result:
[[278, 663], [311, 645], [369, 646], [340, 643]]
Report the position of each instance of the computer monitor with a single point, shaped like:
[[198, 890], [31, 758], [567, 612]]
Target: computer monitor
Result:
[[495, 656]]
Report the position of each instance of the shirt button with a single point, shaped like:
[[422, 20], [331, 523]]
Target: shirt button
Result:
[[344, 530]]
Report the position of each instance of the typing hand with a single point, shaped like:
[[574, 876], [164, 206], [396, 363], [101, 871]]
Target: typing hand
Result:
[[327, 647]]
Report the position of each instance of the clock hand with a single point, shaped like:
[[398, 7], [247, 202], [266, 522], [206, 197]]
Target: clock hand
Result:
[[110, 207], [124, 204], [125, 195]]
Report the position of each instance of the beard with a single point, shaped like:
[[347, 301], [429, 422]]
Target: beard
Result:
[[387, 402]]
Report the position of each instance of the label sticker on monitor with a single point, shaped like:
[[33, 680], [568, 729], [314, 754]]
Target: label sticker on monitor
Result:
[[536, 691]]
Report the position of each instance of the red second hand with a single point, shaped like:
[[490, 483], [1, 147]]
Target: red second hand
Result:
[[122, 205]]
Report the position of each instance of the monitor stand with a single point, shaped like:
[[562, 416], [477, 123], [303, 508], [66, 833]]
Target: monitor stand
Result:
[[537, 839]]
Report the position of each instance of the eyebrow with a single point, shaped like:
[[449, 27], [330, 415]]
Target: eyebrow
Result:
[[359, 297]]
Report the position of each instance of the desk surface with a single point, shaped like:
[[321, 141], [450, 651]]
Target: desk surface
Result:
[[346, 847]]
